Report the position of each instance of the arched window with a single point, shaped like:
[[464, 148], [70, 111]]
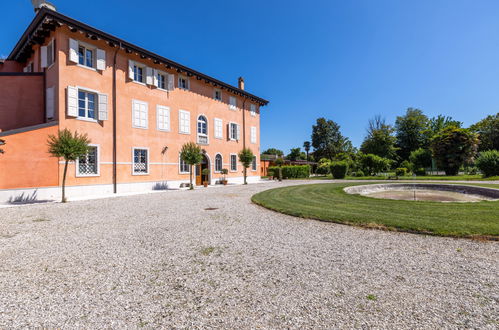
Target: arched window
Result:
[[202, 125], [218, 163]]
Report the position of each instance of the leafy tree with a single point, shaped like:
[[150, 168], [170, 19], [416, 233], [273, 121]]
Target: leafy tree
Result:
[[452, 147], [273, 151], [70, 147], [373, 164], [246, 158], [421, 158], [488, 130], [306, 146], [488, 162], [327, 139], [379, 140], [409, 130], [191, 155], [2, 143], [436, 124], [295, 154]]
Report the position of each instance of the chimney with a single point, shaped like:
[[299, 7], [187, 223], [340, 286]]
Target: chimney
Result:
[[241, 83], [39, 4]]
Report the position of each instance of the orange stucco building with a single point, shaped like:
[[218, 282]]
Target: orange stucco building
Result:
[[137, 108]]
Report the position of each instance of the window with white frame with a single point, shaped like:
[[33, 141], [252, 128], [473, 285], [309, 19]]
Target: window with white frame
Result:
[[163, 118], [233, 162], [183, 82], [161, 80], [140, 110], [183, 166], [28, 67], [253, 134], [217, 94], [50, 53], [233, 131], [86, 56], [88, 164], [86, 104], [202, 130], [184, 118], [253, 164], [232, 102], [140, 161], [253, 109], [218, 163], [138, 72], [219, 129]]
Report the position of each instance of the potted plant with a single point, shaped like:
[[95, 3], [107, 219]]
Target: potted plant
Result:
[[224, 172], [206, 173], [270, 174]]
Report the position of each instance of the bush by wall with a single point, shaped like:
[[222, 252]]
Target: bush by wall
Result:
[[401, 171], [293, 172], [339, 169], [488, 162]]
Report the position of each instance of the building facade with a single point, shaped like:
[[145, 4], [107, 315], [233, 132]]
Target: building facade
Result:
[[136, 107]]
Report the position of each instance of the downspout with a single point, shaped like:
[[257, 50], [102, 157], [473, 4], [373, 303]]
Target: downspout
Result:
[[244, 124], [115, 176]]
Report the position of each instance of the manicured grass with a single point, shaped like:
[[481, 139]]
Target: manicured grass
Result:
[[430, 177], [329, 202]]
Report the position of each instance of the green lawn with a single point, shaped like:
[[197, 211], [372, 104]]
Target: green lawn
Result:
[[425, 177], [329, 202]]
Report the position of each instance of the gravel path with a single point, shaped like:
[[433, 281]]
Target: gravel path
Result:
[[163, 260]]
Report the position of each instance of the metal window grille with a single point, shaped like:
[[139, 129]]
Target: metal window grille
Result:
[[87, 164], [140, 161]]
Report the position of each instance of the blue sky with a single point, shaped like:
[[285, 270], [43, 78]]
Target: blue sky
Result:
[[344, 60]]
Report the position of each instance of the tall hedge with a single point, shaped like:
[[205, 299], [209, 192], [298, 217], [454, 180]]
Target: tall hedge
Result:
[[339, 169], [292, 172], [488, 162]]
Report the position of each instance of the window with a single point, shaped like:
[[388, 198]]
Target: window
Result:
[[218, 128], [85, 56], [88, 164], [202, 130], [163, 118], [184, 118], [217, 95], [218, 163], [140, 161], [161, 80], [86, 104], [139, 114], [232, 103], [253, 164], [233, 163], [253, 135], [233, 131], [253, 109], [183, 82], [184, 167], [50, 53], [138, 73]]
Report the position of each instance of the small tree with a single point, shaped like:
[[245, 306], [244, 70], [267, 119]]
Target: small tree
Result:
[[2, 143], [246, 158], [279, 162], [70, 147], [373, 164], [452, 147], [488, 162], [191, 155], [306, 146]]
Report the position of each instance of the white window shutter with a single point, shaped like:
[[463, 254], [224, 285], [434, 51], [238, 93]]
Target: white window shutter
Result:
[[238, 133], [25, 69], [101, 59], [155, 77], [229, 137], [43, 56], [171, 82], [149, 79], [72, 100], [103, 112], [50, 103], [73, 51], [130, 69]]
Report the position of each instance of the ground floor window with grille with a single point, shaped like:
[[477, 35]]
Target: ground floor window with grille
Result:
[[218, 163], [87, 164], [253, 164], [140, 161], [233, 163]]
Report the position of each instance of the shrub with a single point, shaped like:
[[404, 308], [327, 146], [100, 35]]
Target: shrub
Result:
[[339, 169], [270, 173], [401, 171], [323, 167], [359, 173], [407, 164], [420, 171], [293, 172], [421, 158], [373, 164], [488, 162]]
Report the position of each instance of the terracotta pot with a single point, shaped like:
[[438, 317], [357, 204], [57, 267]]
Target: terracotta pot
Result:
[[224, 182], [205, 184]]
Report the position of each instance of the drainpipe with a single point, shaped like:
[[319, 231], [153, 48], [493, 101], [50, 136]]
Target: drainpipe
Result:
[[241, 86], [115, 177]]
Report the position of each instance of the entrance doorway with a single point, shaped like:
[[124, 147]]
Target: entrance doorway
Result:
[[200, 178]]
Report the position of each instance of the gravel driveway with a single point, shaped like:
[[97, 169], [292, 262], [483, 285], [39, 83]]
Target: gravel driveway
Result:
[[163, 260]]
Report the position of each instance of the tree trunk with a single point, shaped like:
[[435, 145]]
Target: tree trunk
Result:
[[190, 175], [280, 174], [64, 182], [245, 169]]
